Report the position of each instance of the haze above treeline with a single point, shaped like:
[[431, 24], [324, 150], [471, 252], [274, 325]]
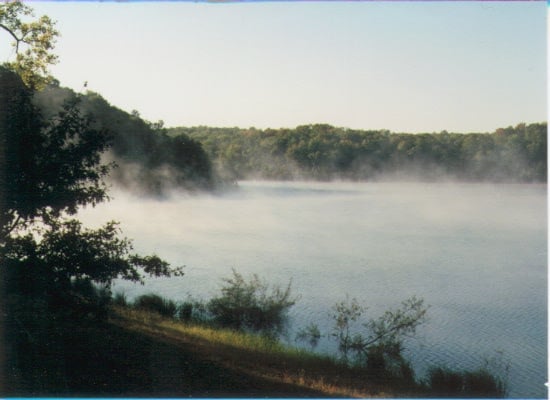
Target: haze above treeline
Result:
[[153, 159]]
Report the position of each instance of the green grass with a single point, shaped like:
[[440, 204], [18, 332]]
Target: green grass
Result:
[[264, 358], [136, 353], [203, 332]]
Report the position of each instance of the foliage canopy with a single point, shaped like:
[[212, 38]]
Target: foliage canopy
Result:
[[33, 42], [50, 168], [149, 161], [324, 152]]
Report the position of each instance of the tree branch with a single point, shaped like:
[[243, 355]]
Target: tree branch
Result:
[[388, 332], [8, 229], [12, 33]]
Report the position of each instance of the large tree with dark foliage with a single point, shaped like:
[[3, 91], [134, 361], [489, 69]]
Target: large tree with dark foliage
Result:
[[50, 263], [49, 169]]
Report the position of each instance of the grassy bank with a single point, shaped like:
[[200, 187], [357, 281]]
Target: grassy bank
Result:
[[135, 353], [112, 348], [245, 364]]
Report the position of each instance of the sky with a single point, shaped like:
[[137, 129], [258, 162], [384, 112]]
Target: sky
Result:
[[402, 66]]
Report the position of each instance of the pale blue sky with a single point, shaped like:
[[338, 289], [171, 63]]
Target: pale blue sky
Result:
[[402, 66]]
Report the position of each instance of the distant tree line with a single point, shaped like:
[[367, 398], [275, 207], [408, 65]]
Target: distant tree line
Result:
[[324, 152], [153, 159], [147, 159]]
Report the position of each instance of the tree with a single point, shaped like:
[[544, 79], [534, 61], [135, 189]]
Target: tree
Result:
[[345, 314], [48, 167], [55, 274], [67, 252], [378, 343], [50, 265], [32, 41]]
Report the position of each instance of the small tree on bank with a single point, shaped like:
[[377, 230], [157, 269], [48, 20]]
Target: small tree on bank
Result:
[[251, 305], [377, 343]]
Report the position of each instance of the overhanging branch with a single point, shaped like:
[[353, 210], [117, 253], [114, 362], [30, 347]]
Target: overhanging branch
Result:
[[12, 33]]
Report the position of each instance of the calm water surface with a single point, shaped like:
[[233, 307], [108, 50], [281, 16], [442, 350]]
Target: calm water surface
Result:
[[476, 253]]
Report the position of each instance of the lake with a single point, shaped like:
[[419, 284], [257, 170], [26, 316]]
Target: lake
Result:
[[476, 253]]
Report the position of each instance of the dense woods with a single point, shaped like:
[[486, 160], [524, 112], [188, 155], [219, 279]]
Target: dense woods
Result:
[[324, 152], [153, 159], [147, 159]]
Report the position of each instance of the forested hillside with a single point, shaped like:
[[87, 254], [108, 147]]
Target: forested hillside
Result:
[[324, 152], [152, 159], [148, 160]]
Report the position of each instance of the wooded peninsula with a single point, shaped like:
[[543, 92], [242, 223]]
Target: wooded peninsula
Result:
[[156, 158]]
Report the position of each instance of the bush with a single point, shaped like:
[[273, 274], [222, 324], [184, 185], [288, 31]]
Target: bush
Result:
[[482, 383], [250, 306], [157, 304], [193, 310], [82, 300], [185, 311], [479, 383], [444, 382], [120, 299]]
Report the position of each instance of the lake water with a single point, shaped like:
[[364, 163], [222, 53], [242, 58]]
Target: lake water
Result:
[[476, 253]]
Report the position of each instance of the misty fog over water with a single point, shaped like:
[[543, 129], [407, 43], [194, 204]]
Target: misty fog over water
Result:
[[477, 254]]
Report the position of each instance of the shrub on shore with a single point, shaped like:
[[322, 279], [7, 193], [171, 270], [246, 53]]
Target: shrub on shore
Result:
[[251, 306], [157, 304], [443, 382]]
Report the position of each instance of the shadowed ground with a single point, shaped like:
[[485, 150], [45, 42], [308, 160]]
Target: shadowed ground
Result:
[[130, 363]]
